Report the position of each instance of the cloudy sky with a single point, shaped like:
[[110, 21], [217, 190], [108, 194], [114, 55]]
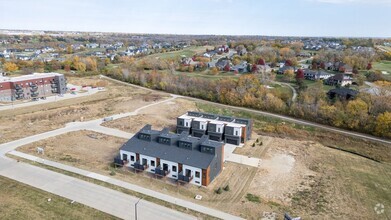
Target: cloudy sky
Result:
[[350, 18]]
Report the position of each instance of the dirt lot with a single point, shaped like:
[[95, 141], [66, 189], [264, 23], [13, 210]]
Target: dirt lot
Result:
[[24, 122], [158, 116], [304, 178], [300, 177]]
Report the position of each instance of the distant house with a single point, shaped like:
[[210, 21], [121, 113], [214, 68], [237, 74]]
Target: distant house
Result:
[[210, 54], [240, 68], [241, 51], [92, 45], [342, 67], [316, 74], [342, 93], [104, 45], [223, 49], [222, 63], [341, 79], [329, 66], [283, 69], [111, 49], [264, 68]]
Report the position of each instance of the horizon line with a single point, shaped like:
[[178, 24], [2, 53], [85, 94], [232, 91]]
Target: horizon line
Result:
[[181, 34]]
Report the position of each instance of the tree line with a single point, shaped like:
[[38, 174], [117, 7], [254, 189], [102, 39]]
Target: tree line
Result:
[[368, 113]]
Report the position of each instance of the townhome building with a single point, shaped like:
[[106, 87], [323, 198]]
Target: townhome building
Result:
[[219, 128], [180, 157]]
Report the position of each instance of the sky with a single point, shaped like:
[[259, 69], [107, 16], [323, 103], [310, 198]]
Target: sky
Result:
[[331, 18]]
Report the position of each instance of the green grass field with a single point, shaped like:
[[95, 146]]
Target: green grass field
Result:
[[20, 201], [383, 66], [188, 52]]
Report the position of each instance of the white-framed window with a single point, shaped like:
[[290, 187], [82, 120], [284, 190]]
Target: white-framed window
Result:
[[236, 133]]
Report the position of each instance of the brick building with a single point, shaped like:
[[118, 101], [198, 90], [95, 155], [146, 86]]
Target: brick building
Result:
[[35, 85]]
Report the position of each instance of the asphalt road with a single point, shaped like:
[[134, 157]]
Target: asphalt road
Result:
[[101, 198], [286, 118]]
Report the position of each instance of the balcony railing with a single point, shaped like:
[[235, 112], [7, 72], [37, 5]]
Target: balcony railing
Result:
[[160, 172], [140, 167], [184, 178]]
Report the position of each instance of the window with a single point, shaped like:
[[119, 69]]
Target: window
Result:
[[218, 130], [197, 182], [187, 124], [173, 168], [146, 137], [152, 163], [202, 127], [124, 157], [209, 150], [197, 174], [163, 140], [145, 161], [236, 133], [132, 158], [181, 123], [185, 145]]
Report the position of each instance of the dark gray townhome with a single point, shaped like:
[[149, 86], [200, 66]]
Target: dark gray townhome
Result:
[[178, 156], [218, 128]]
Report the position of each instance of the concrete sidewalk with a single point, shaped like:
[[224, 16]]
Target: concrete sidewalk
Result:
[[101, 198], [129, 186]]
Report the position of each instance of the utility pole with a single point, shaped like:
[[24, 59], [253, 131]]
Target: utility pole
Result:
[[135, 208]]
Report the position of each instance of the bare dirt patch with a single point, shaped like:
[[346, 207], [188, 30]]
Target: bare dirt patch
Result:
[[300, 177], [159, 116], [74, 147], [117, 98]]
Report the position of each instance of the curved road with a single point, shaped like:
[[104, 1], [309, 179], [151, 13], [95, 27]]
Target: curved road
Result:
[[107, 200], [298, 121]]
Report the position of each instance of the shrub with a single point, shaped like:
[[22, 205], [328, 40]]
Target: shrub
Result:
[[253, 198], [219, 190], [226, 188]]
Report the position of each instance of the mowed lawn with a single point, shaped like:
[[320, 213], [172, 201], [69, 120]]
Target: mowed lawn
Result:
[[20, 201], [383, 66], [188, 52]]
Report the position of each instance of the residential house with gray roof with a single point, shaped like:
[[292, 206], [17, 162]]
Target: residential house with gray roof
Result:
[[186, 159]]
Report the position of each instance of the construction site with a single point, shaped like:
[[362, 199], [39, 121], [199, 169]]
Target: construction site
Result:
[[291, 172]]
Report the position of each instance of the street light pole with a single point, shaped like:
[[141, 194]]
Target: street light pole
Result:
[[135, 208]]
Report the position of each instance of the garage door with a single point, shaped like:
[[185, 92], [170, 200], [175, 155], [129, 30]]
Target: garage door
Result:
[[232, 141]]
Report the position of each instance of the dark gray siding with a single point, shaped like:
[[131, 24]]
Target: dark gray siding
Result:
[[215, 166], [61, 84]]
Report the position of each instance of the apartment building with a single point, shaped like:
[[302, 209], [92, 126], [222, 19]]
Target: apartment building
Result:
[[35, 85], [219, 128], [181, 157]]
